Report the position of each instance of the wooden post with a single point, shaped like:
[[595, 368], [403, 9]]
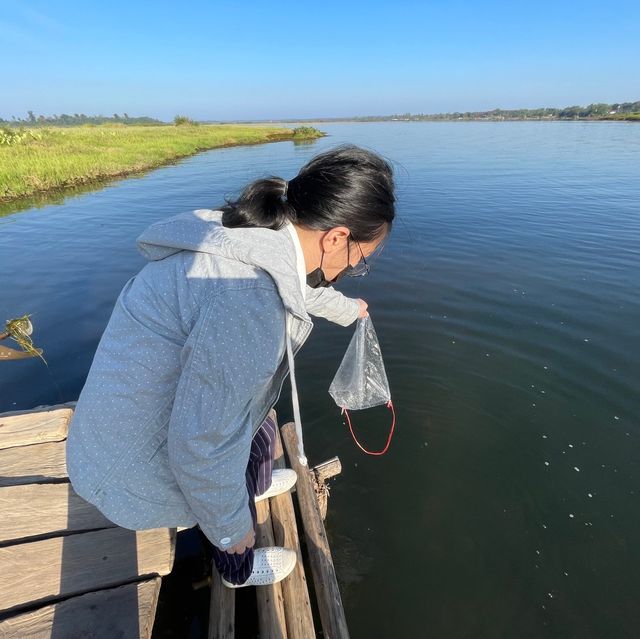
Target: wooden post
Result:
[[222, 608], [321, 473], [334, 623], [271, 618], [327, 469], [297, 605]]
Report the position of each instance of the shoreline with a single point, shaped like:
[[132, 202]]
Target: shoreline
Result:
[[347, 121], [32, 186]]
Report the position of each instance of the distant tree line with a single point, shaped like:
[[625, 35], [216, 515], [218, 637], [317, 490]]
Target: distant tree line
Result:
[[76, 119], [597, 111]]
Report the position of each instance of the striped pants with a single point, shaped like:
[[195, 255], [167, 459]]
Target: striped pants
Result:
[[236, 568]]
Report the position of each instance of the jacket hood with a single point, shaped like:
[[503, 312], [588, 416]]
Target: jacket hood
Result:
[[202, 230]]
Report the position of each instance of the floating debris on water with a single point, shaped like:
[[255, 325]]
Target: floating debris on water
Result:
[[576, 469], [20, 330]]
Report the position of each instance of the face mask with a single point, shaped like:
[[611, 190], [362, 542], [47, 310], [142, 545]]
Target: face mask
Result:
[[317, 278]]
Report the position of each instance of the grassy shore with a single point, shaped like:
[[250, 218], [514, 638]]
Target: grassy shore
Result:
[[44, 159]]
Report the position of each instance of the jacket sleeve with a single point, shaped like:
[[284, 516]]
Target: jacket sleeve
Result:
[[332, 305], [231, 354]]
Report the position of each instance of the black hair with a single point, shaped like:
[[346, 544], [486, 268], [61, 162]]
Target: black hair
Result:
[[344, 186]]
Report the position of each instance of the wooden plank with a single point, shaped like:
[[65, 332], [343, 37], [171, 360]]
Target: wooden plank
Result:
[[222, 608], [126, 611], [34, 428], [45, 509], [334, 623], [32, 464], [61, 566], [271, 618], [297, 604], [39, 409]]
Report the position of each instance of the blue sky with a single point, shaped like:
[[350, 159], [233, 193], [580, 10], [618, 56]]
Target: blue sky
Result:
[[259, 60]]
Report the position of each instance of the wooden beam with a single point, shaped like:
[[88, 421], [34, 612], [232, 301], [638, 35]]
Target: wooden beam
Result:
[[334, 623], [222, 608], [39, 409], [45, 509], [297, 605], [34, 428], [327, 469], [61, 566], [271, 619], [125, 611], [37, 463]]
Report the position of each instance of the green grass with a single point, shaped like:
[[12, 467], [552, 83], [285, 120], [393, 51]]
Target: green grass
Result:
[[59, 157], [630, 117]]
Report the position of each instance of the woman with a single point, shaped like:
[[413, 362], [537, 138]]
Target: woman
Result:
[[171, 427]]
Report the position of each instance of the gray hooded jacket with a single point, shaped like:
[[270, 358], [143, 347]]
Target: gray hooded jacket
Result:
[[190, 363]]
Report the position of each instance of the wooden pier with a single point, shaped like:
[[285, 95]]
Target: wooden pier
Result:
[[68, 572]]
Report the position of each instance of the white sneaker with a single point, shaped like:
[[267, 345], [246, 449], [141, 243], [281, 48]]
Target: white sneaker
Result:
[[282, 479], [271, 564]]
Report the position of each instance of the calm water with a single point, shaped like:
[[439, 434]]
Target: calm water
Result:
[[508, 312]]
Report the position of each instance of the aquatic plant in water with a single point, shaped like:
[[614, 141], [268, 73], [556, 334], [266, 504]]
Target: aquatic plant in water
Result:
[[20, 330]]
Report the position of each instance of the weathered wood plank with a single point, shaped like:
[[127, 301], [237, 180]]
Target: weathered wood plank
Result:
[[222, 608], [271, 617], [297, 605], [34, 428], [60, 566], [126, 611], [39, 409], [334, 623], [45, 509], [31, 464]]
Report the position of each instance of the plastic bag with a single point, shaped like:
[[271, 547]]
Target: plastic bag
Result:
[[361, 381]]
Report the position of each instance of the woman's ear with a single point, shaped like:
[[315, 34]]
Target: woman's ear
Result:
[[335, 239]]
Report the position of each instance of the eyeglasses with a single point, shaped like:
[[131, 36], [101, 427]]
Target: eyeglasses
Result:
[[361, 268]]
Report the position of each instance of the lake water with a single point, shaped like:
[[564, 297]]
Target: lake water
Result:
[[507, 308]]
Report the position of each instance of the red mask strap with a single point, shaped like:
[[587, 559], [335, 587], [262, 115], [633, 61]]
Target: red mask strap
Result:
[[355, 439]]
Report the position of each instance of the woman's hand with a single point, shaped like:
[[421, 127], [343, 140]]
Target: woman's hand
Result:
[[247, 542], [363, 308]]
